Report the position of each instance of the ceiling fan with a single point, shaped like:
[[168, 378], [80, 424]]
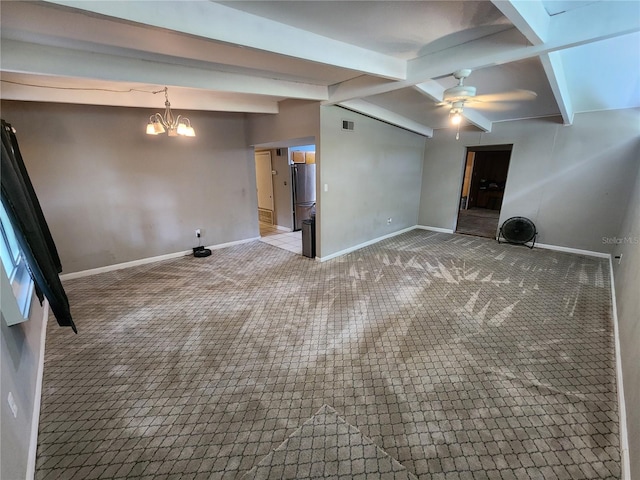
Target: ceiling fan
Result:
[[463, 95]]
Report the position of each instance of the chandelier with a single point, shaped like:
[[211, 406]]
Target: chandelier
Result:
[[174, 126]]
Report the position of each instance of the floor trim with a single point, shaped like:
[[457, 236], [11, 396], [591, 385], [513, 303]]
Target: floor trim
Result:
[[364, 244], [434, 229], [577, 251], [144, 261], [37, 398], [625, 463], [545, 246]]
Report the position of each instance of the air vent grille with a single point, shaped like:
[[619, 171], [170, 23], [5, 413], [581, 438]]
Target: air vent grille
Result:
[[347, 125]]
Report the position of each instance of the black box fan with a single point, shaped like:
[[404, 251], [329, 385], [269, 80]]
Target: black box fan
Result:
[[518, 230]]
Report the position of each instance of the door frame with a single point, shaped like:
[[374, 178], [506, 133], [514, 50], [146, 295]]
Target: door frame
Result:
[[474, 149]]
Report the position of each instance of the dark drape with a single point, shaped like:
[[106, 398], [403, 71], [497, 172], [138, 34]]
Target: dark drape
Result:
[[32, 231]]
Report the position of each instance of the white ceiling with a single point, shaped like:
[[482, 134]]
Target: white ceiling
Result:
[[387, 59]]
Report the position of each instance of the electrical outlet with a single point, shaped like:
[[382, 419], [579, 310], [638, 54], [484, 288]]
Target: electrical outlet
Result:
[[389, 221], [12, 405], [198, 233]]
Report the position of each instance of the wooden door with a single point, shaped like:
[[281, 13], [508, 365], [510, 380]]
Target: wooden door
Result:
[[264, 180]]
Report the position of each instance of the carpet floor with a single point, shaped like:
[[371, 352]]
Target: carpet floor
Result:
[[426, 355]]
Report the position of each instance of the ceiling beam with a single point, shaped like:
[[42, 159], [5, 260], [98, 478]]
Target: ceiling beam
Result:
[[591, 23], [93, 92], [528, 16], [476, 118], [553, 68], [387, 116], [220, 23], [22, 57], [531, 18], [435, 92], [432, 90]]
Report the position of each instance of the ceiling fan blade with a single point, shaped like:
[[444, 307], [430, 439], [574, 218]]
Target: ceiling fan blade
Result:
[[494, 107], [490, 107], [513, 96]]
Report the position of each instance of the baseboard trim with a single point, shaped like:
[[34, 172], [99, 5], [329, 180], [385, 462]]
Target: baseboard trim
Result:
[[545, 246], [144, 261], [625, 462], [434, 229], [37, 398], [576, 251], [364, 244], [284, 229]]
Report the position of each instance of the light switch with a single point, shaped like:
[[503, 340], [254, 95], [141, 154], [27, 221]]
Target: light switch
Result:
[[326, 187]]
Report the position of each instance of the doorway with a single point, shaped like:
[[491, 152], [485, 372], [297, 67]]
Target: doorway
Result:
[[482, 193], [288, 193], [273, 186]]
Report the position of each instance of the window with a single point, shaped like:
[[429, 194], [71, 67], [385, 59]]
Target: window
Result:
[[15, 264]]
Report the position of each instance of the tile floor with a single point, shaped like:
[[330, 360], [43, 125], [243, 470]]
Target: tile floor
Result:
[[458, 357], [291, 241]]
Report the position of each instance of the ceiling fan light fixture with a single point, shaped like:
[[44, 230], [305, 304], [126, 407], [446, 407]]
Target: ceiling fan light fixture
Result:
[[455, 114]]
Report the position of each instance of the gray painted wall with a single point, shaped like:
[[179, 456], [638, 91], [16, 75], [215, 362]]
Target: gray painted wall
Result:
[[295, 119], [19, 361], [113, 194], [373, 173], [573, 182], [627, 282]]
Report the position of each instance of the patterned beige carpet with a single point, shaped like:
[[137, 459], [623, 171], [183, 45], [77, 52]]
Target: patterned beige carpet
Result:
[[326, 446], [458, 357]]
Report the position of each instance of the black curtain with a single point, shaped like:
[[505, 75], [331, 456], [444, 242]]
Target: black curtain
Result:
[[32, 231]]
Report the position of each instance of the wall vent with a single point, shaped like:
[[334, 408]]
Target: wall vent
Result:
[[347, 125]]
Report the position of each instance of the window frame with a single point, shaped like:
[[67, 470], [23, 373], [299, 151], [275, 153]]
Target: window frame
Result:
[[17, 271]]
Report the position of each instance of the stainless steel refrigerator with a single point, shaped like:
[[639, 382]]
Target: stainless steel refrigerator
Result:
[[303, 181]]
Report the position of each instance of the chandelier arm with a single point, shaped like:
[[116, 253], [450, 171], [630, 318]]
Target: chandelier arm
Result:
[[158, 118]]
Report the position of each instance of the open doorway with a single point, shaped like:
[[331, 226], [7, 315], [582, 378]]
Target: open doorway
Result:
[[483, 185], [285, 184]]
